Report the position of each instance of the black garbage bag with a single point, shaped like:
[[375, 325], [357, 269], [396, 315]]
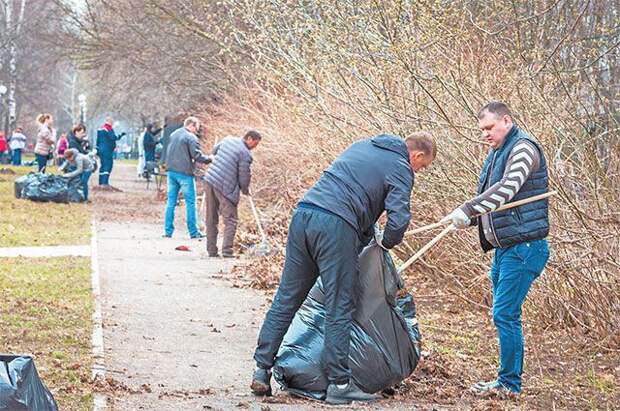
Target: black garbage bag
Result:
[[385, 339], [20, 386], [49, 187]]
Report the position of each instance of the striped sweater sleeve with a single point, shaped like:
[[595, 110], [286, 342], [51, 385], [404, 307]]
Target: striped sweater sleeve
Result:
[[523, 160]]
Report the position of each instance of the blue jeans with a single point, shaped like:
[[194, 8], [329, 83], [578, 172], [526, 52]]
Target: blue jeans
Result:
[[85, 176], [17, 157], [513, 271], [41, 162], [176, 182]]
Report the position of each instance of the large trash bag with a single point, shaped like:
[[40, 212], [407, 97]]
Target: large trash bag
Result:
[[20, 386], [385, 339], [49, 187]]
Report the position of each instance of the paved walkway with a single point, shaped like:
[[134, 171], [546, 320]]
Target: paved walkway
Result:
[[178, 331]]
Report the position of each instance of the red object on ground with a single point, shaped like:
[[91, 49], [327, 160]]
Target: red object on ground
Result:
[[182, 248]]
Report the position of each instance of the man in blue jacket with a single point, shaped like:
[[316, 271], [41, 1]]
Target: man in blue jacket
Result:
[[515, 169], [106, 143], [227, 177], [332, 223]]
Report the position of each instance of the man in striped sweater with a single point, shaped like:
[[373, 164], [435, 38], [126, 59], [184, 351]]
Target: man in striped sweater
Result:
[[515, 169]]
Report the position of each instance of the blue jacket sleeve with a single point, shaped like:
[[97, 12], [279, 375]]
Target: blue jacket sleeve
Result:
[[397, 207], [245, 174]]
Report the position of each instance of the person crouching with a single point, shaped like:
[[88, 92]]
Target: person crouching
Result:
[[83, 168]]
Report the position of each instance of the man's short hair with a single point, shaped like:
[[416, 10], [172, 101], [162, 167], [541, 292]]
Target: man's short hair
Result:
[[498, 108], [422, 141], [191, 120], [252, 134]]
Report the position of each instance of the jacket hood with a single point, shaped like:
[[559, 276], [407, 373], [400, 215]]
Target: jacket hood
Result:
[[392, 143]]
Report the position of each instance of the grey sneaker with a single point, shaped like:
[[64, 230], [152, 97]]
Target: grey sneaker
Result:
[[494, 389], [481, 384], [261, 382], [345, 395]]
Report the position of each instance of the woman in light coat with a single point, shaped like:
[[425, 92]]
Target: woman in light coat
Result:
[[45, 141]]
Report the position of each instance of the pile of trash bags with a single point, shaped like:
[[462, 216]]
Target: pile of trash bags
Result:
[[385, 339], [20, 386], [49, 187]]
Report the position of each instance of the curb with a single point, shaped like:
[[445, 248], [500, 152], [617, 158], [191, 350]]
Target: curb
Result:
[[98, 368]]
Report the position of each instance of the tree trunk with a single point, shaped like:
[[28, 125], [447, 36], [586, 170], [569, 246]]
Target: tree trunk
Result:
[[14, 33]]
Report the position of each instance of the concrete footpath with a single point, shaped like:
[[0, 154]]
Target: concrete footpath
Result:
[[178, 331]]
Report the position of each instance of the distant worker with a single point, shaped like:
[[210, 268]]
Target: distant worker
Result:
[[4, 149], [61, 147], [45, 141], [82, 166], [77, 139], [150, 142], [227, 177], [333, 221], [17, 144], [106, 144], [183, 154]]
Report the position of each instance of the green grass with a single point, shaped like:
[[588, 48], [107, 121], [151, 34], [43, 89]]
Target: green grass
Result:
[[46, 311], [27, 223]]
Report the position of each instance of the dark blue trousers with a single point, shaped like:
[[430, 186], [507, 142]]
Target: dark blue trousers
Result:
[[17, 157], [41, 162], [106, 168], [319, 243]]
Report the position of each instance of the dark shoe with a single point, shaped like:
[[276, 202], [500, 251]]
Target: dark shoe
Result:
[[346, 395], [213, 254], [228, 255], [167, 235], [494, 389], [198, 235], [261, 382]]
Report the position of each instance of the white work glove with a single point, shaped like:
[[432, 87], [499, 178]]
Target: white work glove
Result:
[[458, 218], [379, 238]]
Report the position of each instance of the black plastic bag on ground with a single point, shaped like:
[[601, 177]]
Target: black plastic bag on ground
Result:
[[385, 339], [49, 187], [20, 386]]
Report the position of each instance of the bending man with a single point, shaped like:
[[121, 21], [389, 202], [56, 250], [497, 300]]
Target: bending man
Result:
[[332, 223]]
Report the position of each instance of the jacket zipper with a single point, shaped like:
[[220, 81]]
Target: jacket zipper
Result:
[[490, 215]]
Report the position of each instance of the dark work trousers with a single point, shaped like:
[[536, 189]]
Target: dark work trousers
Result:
[[218, 204], [319, 243], [106, 167]]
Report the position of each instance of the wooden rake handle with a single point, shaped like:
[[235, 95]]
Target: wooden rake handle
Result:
[[424, 249], [502, 208], [260, 227]]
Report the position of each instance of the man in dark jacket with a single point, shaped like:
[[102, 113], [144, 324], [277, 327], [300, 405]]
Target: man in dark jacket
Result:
[[332, 223], [515, 169], [150, 142], [183, 154], [227, 177], [106, 143], [77, 139]]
